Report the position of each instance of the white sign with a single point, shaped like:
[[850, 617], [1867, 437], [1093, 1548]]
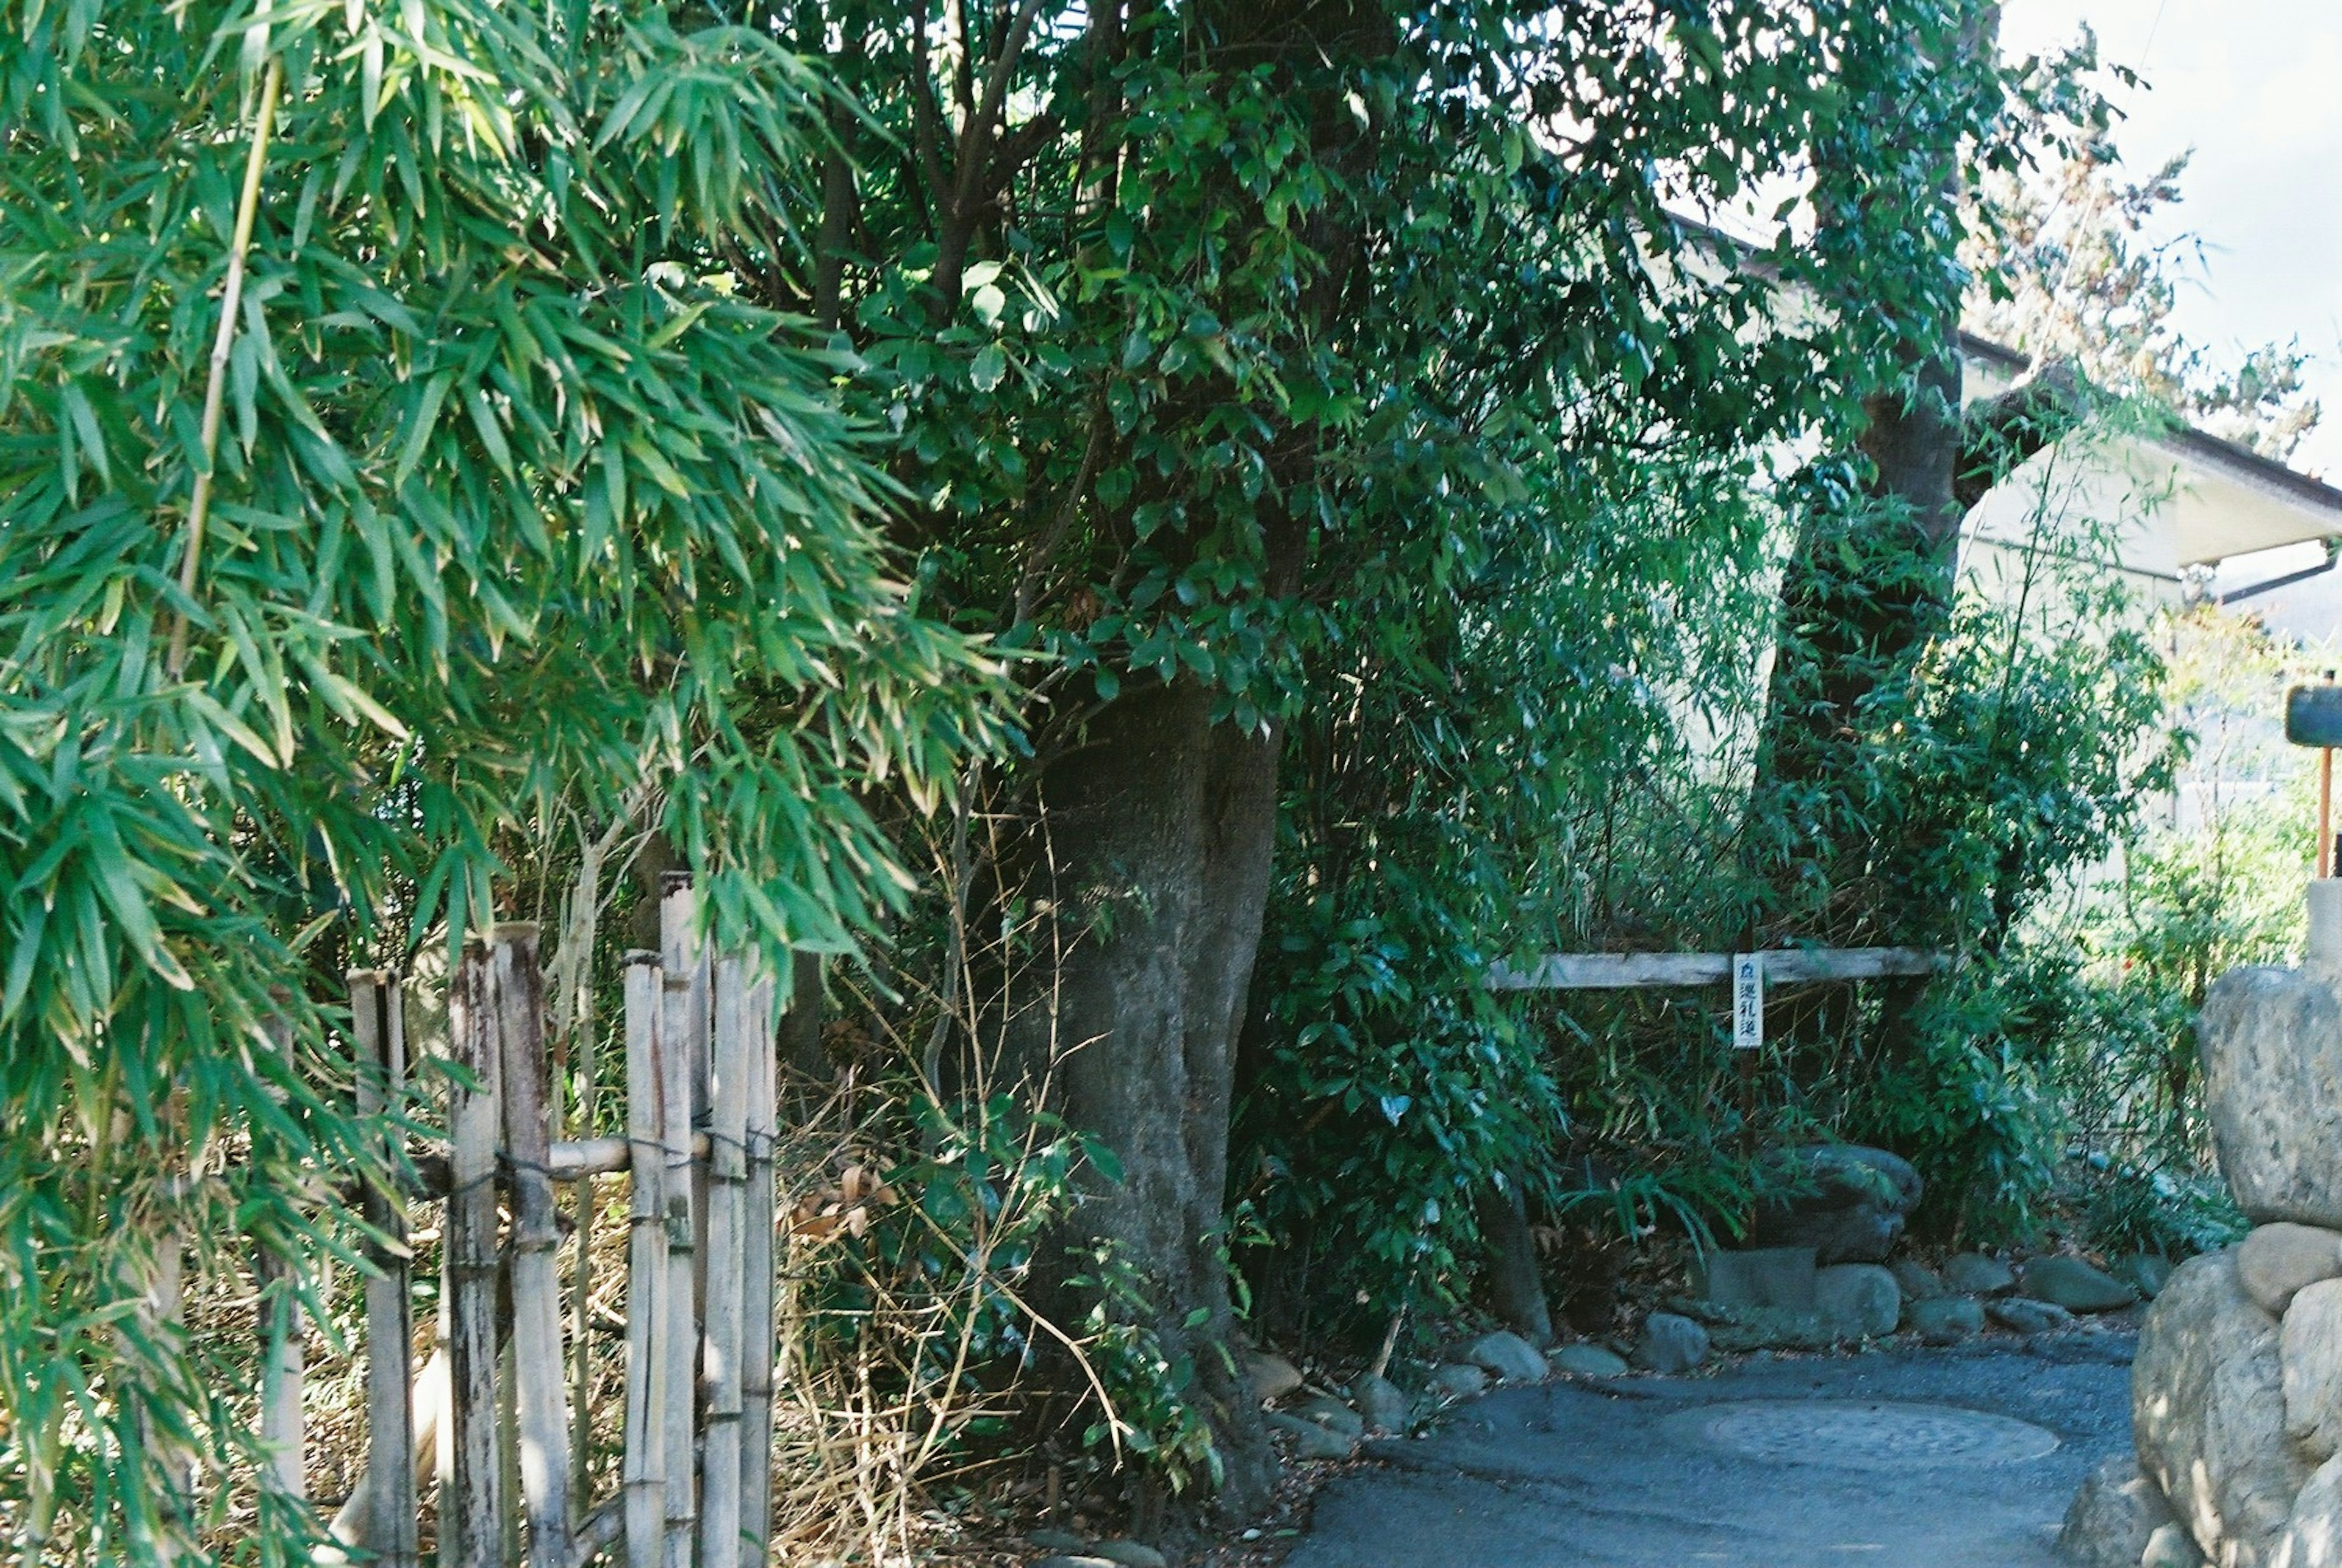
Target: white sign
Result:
[[1747, 1001]]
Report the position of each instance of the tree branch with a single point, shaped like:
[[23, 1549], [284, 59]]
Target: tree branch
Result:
[[973, 160], [1996, 437]]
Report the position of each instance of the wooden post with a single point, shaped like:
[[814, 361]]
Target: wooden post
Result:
[[680, 1016], [581, 1278], [757, 1303], [539, 1393], [647, 1307], [281, 1367], [472, 1503], [378, 1034], [728, 1136], [2325, 811]]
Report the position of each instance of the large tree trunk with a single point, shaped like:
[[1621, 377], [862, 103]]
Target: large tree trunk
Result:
[[1515, 1283], [1166, 822]]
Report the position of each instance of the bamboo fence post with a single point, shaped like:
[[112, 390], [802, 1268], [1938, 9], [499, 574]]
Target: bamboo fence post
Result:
[[581, 1279], [648, 1310], [682, 1015], [471, 1502], [378, 1030], [727, 1134], [756, 1301], [686, 954], [539, 1385], [281, 1329]]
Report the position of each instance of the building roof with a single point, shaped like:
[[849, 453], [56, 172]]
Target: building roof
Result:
[[2223, 499]]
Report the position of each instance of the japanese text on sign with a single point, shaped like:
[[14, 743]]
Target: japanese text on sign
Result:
[[1747, 1001]]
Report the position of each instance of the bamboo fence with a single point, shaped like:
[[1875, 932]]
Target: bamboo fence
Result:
[[489, 1431]]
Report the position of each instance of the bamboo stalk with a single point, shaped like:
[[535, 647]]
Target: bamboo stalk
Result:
[[471, 1500], [281, 1367], [378, 1027], [248, 207], [678, 1195], [353, 1524], [539, 1386], [727, 1134], [581, 1277], [756, 1302], [686, 954], [644, 1471]]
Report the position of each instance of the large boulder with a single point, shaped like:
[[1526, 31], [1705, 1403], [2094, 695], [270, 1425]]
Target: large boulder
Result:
[[2272, 1045], [1846, 1201], [1271, 1375], [2113, 1517], [1507, 1356], [2207, 1413], [2313, 1536], [1973, 1275], [1670, 1343], [2310, 1351], [2276, 1261], [2069, 1283], [1582, 1359], [1756, 1277], [1860, 1301], [1944, 1320]]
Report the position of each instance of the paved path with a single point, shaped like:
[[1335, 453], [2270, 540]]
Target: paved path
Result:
[[1920, 1459]]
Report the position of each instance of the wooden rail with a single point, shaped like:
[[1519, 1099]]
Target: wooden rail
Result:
[[1634, 971]]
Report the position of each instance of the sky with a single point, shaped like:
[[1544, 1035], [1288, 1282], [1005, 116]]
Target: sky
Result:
[[2254, 87]]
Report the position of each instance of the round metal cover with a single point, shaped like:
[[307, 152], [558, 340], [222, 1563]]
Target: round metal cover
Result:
[[1864, 1435]]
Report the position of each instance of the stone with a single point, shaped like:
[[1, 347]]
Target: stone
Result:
[[1310, 1441], [1381, 1402], [2026, 1315], [1755, 1277], [1057, 1540], [1271, 1376], [1973, 1275], [1587, 1361], [2313, 1534], [2069, 1283], [2113, 1516], [2171, 1547], [1860, 1301], [1849, 1207], [1130, 1554], [2272, 1048], [1454, 1380], [2144, 1272], [2276, 1259], [1330, 1414], [1670, 1343], [1772, 1328], [2208, 1413], [1944, 1320], [1507, 1356], [1918, 1282], [2310, 1356], [1073, 1560]]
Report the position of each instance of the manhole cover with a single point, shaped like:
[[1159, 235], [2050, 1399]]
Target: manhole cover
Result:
[[1866, 1434]]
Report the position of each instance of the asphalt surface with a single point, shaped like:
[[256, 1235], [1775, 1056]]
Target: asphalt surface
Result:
[[1962, 1458]]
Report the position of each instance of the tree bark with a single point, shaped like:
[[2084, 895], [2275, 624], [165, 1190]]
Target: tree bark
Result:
[[1515, 1288], [1168, 822]]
